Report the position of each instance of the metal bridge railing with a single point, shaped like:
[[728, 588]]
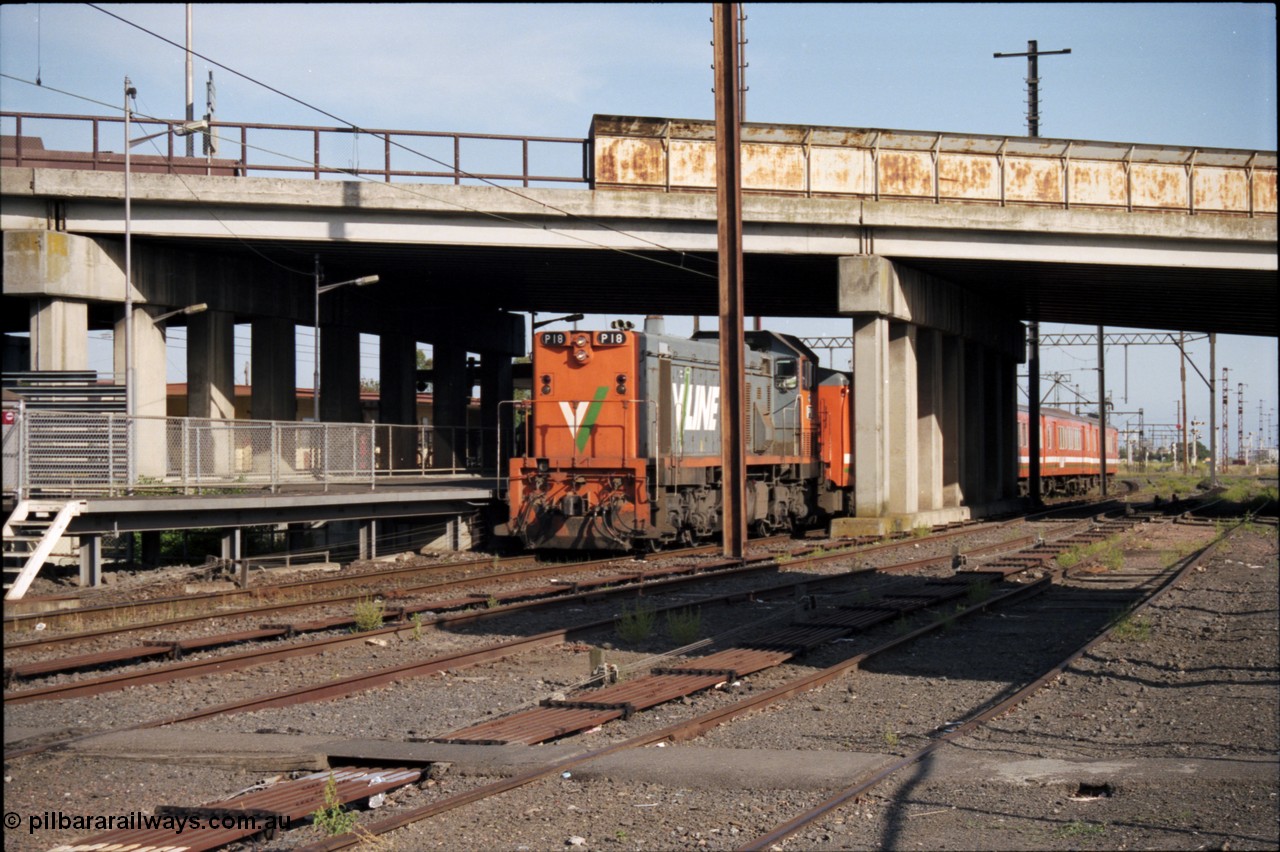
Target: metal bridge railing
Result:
[[78, 453], [263, 150]]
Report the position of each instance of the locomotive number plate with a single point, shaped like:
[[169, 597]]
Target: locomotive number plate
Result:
[[554, 338], [611, 338]]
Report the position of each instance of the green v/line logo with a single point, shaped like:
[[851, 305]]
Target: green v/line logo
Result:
[[582, 417]]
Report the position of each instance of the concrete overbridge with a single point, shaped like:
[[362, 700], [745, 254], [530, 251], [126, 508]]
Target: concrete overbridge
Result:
[[935, 246]]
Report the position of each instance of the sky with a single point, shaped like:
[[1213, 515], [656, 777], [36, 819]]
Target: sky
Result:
[[1175, 74]]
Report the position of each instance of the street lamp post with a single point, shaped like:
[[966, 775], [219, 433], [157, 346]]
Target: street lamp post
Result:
[[319, 276]]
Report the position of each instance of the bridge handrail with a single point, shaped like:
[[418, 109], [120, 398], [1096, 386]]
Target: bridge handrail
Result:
[[22, 150]]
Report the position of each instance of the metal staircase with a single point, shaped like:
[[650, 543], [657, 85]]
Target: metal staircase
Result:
[[29, 537]]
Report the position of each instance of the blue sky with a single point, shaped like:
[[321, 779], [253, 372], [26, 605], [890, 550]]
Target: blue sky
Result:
[[1178, 74]]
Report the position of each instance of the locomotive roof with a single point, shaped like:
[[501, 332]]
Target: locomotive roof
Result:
[[764, 341]]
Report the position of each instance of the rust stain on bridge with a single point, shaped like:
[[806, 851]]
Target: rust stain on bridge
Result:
[[679, 155]]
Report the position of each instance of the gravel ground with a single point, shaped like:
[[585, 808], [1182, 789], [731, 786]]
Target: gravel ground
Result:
[[1155, 695]]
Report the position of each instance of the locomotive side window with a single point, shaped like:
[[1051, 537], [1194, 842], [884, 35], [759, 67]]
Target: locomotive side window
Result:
[[784, 375]]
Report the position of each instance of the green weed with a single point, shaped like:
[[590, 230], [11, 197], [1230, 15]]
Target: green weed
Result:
[[1079, 828], [1130, 629], [333, 818], [684, 626], [891, 738], [977, 592], [635, 625], [369, 614]]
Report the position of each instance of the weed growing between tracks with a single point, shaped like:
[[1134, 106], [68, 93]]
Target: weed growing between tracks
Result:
[[1106, 553], [684, 626], [369, 614], [636, 625]]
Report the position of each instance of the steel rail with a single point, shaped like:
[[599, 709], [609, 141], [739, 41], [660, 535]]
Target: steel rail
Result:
[[624, 583], [261, 656], [790, 827], [14, 623], [676, 732], [395, 673]]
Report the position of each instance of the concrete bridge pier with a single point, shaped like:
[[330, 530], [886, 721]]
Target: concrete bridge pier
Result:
[[933, 400], [59, 334], [339, 374], [273, 359], [449, 398], [496, 386], [147, 387], [211, 383], [397, 399]]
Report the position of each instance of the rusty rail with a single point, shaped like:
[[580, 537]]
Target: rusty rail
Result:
[[790, 827]]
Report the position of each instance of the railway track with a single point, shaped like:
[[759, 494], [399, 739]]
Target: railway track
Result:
[[688, 678], [805, 555], [701, 724]]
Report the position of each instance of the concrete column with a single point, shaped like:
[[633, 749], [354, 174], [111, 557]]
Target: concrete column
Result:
[[903, 461], [1009, 419], [211, 389], [397, 400], [149, 388], [449, 398], [368, 539], [870, 411], [975, 412], [953, 421], [211, 381], [90, 561], [996, 438], [929, 418], [496, 387], [339, 374], [273, 370], [231, 552], [230, 545], [59, 334]]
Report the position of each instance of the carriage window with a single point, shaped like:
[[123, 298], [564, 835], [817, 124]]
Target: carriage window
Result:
[[784, 376]]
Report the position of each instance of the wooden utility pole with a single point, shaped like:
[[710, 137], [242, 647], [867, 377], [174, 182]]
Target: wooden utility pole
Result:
[[729, 245]]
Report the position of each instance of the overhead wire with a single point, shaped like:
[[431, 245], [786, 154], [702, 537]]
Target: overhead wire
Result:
[[142, 118], [358, 129]]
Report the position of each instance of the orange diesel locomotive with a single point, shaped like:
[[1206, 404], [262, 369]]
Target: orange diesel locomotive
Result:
[[1070, 453], [620, 443]]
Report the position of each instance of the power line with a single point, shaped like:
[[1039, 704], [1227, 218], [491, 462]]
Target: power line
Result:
[[358, 129]]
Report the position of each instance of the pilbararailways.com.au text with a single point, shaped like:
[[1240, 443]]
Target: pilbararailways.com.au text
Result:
[[137, 820]]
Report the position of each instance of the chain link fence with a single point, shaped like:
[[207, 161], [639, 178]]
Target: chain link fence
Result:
[[70, 453]]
